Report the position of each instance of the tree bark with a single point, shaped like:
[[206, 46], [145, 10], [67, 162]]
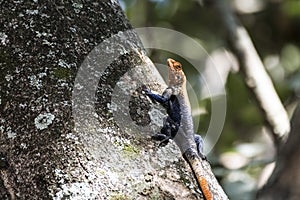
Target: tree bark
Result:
[[73, 123]]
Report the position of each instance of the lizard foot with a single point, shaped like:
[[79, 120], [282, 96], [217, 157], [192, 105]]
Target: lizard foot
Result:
[[145, 89], [199, 143], [202, 156], [164, 140]]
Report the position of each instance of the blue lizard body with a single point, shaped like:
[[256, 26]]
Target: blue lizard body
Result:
[[176, 103], [172, 122]]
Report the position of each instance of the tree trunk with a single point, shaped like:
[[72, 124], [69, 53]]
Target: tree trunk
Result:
[[73, 123]]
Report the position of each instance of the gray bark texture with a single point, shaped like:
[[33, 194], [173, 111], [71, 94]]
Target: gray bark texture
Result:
[[73, 122]]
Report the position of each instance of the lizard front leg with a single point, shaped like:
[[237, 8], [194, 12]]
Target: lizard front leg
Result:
[[172, 122], [162, 99]]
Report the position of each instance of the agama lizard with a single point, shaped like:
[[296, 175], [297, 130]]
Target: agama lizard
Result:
[[179, 123], [175, 100]]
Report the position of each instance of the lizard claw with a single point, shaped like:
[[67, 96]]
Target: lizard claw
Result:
[[202, 156], [164, 143], [145, 89], [159, 137], [164, 140]]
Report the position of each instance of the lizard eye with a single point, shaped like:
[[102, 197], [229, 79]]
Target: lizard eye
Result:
[[178, 77], [177, 66]]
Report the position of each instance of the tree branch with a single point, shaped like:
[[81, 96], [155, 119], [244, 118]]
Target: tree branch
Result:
[[284, 182], [255, 74]]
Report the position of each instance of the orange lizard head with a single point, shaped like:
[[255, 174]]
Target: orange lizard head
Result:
[[176, 75]]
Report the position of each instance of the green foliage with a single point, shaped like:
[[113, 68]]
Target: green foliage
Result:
[[290, 58], [292, 8]]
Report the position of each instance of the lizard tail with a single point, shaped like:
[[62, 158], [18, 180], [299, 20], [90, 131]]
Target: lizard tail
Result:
[[194, 162]]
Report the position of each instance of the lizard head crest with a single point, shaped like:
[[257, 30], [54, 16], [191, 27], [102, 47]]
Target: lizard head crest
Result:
[[176, 75]]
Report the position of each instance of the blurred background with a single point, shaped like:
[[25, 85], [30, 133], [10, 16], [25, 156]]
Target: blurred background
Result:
[[244, 154]]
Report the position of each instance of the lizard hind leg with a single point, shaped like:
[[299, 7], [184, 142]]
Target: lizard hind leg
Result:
[[164, 142], [164, 139], [165, 133], [199, 143], [159, 137]]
